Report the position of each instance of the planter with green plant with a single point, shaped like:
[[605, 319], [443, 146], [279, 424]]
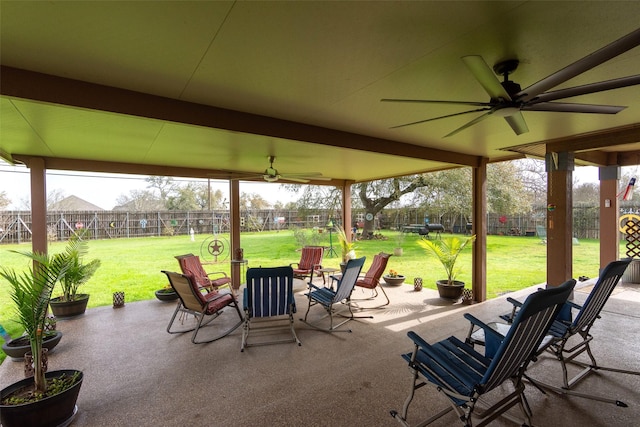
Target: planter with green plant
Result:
[[71, 303], [347, 247], [44, 399], [166, 294], [447, 251]]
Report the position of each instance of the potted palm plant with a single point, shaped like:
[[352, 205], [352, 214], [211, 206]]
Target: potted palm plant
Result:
[[347, 247], [71, 303], [447, 251], [45, 399]]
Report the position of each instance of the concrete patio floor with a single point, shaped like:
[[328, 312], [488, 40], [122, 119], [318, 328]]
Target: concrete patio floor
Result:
[[137, 374]]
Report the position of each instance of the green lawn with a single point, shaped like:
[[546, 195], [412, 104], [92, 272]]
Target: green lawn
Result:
[[134, 265]]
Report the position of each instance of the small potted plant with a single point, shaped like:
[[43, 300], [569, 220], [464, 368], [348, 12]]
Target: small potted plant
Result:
[[45, 399], [447, 251], [347, 248], [393, 278], [71, 303], [166, 294]]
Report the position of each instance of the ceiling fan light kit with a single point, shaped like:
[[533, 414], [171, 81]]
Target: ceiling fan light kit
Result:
[[508, 100]]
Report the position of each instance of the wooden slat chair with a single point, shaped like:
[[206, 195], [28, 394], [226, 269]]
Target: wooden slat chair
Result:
[[202, 306], [310, 263], [269, 305], [465, 377], [371, 279], [191, 265]]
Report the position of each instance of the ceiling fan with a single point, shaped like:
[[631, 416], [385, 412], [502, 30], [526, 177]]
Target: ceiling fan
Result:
[[271, 174], [508, 100]]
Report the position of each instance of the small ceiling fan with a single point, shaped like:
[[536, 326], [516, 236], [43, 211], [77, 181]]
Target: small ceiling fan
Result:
[[508, 100], [271, 174]]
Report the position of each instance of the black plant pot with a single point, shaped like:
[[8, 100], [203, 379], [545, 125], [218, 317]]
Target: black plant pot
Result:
[[163, 295], [453, 291], [16, 352], [57, 410], [69, 308]]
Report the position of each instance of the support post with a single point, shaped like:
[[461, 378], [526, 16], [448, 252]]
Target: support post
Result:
[[479, 228], [559, 217], [609, 208]]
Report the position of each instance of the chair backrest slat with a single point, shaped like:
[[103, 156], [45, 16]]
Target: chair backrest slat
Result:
[[311, 255], [378, 265], [600, 293], [527, 331], [192, 266], [269, 291], [349, 278]]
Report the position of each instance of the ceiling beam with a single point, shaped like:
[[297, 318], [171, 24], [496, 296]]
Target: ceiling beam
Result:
[[19, 83], [154, 170], [595, 140]]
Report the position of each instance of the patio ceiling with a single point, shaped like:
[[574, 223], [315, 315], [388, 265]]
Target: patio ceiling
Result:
[[195, 88]]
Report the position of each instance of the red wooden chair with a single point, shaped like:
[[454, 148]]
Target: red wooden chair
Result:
[[310, 262], [371, 279], [191, 266]]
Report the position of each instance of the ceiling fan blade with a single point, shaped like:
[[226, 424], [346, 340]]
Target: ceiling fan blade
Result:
[[429, 101], [586, 89], [471, 123], [306, 176], [517, 123], [604, 54], [288, 178], [441, 117], [565, 107], [486, 77]]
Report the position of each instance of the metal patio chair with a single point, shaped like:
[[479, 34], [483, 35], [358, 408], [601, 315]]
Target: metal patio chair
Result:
[[269, 305], [328, 297], [571, 338], [203, 306], [466, 378]]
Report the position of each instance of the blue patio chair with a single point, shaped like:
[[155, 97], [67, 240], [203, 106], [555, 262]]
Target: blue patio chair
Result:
[[570, 338], [328, 297], [463, 375], [269, 305]]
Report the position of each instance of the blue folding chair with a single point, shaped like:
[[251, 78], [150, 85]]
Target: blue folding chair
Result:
[[269, 305], [565, 348], [328, 297], [464, 376]]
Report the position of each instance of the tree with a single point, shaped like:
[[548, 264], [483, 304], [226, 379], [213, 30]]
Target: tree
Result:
[[253, 201], [139, 200], [165, 185], [4, 200], [183, 198], [376, 195]]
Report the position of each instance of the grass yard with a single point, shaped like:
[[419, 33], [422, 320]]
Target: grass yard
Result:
[[134, 265]]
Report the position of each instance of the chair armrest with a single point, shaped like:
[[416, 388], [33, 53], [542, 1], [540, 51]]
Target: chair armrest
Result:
[[218, 272], [514, 302], [488, 330], [297, 264]]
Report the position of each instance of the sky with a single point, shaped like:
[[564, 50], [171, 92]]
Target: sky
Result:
[[103, 189]]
